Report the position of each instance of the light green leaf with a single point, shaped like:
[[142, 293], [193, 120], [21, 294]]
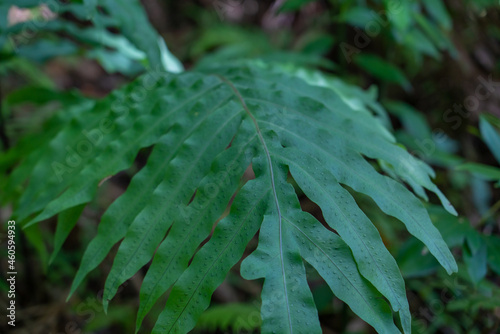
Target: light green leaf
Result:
[[131, 18]]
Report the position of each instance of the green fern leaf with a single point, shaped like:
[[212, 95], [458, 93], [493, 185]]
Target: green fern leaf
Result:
[[232, 317], [185, 121], [343, 215], [195, 223], [66, 221], [151, 224], [285, 238], [191, 294], [206, 129]]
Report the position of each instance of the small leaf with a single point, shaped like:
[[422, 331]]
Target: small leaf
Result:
[[493, 248], [476, 263], [66, 220], [491, 137], [485, 172], [382, 70], [438, 11], [357, 16]]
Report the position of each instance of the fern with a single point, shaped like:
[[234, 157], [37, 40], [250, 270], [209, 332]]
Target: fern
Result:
[[231, 318], [207, 127]]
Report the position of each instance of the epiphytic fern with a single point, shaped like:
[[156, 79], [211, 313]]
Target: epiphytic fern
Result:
[[207, 128]]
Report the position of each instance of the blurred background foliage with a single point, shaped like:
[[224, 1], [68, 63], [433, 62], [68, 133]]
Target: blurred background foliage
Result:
[[433, 65]]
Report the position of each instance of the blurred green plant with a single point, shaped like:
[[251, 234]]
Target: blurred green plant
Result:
[[270, 99]]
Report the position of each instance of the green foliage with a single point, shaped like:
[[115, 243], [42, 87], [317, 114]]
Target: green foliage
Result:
[[191, 119], [233, 143], [138, 43], [491, 136], [416, 28], [237, 317], [382, 70]]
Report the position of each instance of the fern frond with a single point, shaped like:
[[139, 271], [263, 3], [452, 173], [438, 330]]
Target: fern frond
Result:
[[207, 128], [232, 318], [285, 238], [212, 196]]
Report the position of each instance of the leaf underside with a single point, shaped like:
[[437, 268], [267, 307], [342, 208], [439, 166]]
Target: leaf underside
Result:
[[207, 128]]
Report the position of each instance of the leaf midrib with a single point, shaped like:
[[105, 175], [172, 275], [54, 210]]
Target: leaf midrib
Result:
[[298, 93], [331, 260], [325, 193], [361, 176], [275, 196]]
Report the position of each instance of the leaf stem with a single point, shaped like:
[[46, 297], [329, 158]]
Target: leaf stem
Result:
[[268, 156]]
